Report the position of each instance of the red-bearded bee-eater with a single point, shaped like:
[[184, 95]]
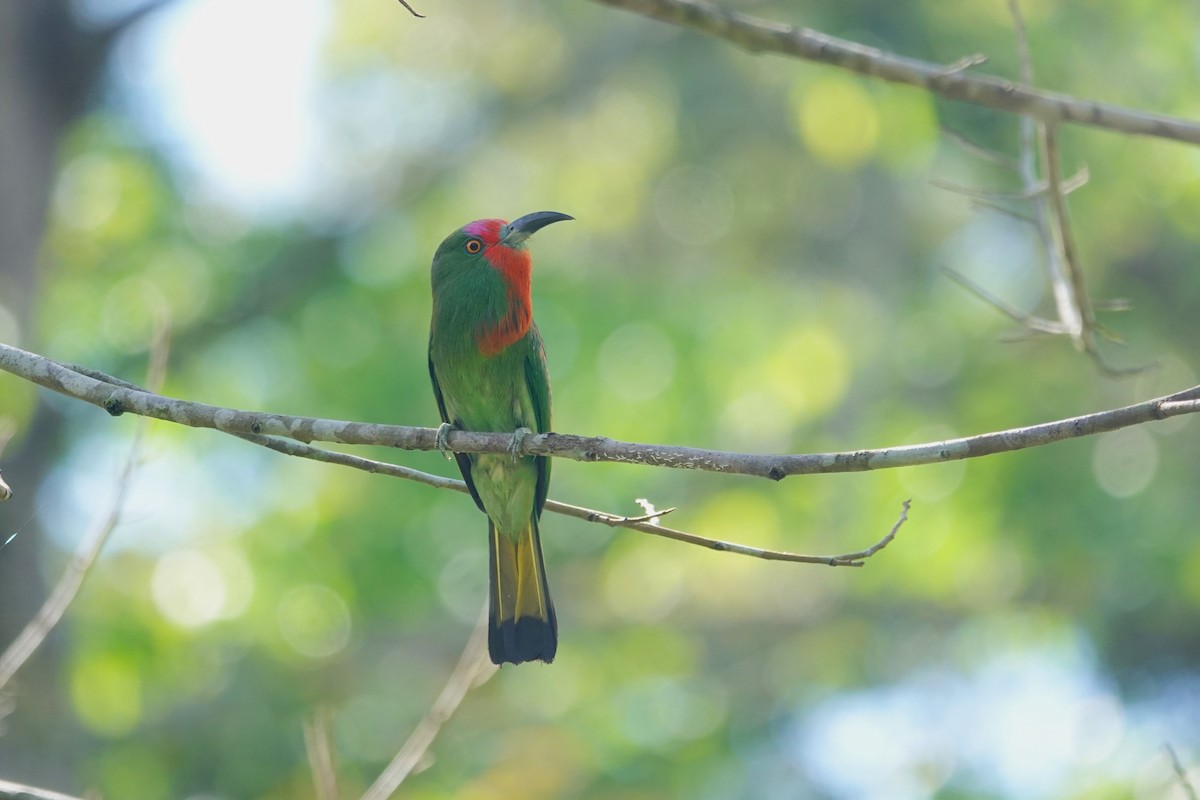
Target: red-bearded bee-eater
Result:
[[489, 374]]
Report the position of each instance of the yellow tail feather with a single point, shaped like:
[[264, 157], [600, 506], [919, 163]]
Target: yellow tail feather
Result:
[[521, 625]]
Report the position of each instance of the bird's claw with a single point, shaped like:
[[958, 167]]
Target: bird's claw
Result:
[[514, 449], [440, 439]]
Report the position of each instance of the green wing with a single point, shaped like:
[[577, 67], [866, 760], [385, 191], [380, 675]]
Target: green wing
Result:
[[537, 379], [464, 460]]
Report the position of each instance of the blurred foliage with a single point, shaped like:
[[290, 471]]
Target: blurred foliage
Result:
[[756, 266]]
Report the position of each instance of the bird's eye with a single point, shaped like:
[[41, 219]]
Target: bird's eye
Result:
[[474, 246]]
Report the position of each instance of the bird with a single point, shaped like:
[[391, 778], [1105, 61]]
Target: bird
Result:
[[488, 368]]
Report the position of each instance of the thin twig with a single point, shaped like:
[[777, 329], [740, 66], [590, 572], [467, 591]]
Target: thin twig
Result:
[[1004, 211], [64, 592], [1079, 317], [19, 791], [646, 523], [763, 36], [319, 748], [412, 10], [473, 669], [1028, 192], [118, 399], [1181, 773], [7, 430], [1030, 321], [1030, 133], [1076, 315], [978, 150], [856, 559]]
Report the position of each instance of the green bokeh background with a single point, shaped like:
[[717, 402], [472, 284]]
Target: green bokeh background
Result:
[[756, 266]]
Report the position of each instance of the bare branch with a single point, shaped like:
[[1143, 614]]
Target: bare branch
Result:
[[857, 559], [28, 641], [643, 524], [19, 791], [646, 523], [473, 669], [978, 150], [319, 748], [1076, 181], [7, 429], [1181, 773], [953, 82], [118, 399], [412, 10], [1076, 309], [1030, 321], [1076, 314]]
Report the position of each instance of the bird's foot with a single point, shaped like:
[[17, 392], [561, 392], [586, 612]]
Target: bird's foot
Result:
[[440, 439], [514, 449]]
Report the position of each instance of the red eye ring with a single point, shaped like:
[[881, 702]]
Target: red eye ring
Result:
[[474, 246]]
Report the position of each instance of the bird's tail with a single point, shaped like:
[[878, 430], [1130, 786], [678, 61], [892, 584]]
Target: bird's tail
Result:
[[521, 624]]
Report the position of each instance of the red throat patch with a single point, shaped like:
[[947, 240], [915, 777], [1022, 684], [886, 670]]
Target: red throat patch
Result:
[[514, 265]]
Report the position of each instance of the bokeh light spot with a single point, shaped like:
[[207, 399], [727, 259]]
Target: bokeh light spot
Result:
[[314, 621], [837, 120], [636, 362], [1125, 461], [107, 693], [640, 584], [188, 588], [694, 205]]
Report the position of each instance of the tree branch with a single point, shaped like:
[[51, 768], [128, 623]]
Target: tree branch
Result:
[[1181, 773], [412, 10], [319, 747], [118, 399], [64, 592], [953, 83], [7, 429], [646, 523], [473, 669], [18, 791]]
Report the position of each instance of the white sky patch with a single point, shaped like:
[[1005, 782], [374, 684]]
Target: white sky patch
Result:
[[229, 86], [1027, 724], [188, 588]]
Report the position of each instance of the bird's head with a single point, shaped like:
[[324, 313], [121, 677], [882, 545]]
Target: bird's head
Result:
[[494, 242]]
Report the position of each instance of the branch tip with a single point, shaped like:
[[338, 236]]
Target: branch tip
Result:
[[412, 10]]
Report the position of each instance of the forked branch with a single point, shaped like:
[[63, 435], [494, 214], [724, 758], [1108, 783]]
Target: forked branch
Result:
[[118, 399], [954, 82]]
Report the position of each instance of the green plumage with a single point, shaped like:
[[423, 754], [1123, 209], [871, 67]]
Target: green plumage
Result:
[[473, 312]]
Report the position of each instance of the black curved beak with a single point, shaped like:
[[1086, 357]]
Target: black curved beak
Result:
[[521, 229]]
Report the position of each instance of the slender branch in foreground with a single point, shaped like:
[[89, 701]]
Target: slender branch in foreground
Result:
[[1084, 326], [1076, 311], [412, 10], [473, 670], [19, 791], [319, 748], [64, 592], [1033, 323], [646, 523], [117, 399], [7, 429], [954, 83], [1181, 773], [1070, 316]]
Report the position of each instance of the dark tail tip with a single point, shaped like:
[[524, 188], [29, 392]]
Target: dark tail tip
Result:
[[524, 639]]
